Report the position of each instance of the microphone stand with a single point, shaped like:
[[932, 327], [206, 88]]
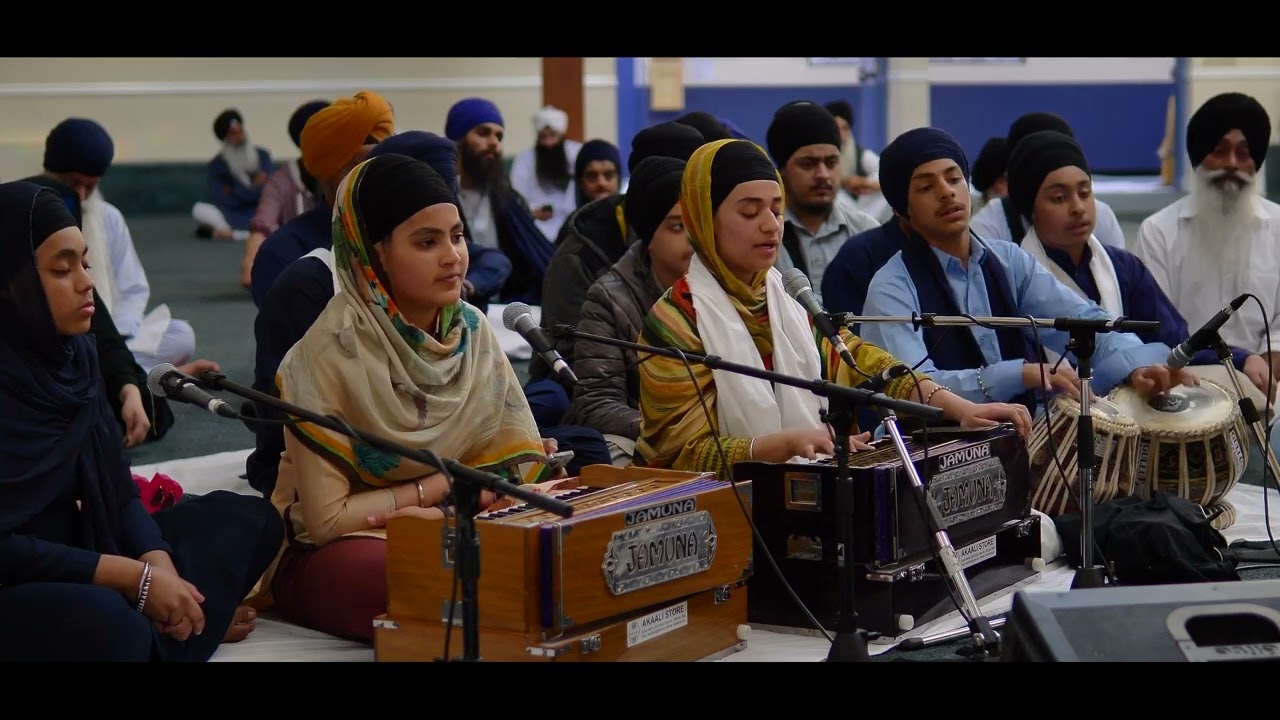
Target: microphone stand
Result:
[[850, 643], [981, 629], [1083, 334], [1247, 409], [466, 495]]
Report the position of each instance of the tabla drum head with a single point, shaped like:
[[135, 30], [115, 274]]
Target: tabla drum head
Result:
[[1182, 408]]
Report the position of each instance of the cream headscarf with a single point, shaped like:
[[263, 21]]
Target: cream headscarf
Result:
[[365, 362]]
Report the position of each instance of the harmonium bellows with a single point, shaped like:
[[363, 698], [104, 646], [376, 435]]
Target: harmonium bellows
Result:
[[652, 565], [980, 482]]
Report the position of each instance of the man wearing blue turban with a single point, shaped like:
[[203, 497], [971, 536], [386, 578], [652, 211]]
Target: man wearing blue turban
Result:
[[497, 216]]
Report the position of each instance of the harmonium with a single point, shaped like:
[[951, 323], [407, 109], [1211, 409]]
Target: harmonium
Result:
[[651, 566], [980, 483]]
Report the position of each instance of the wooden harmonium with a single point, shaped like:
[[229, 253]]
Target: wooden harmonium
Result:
[[652, 565], [980, 481]]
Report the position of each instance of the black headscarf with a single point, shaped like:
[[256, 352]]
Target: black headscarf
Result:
[[668, 139], [992, 162], [799, 124], [653, 191], [57, 429], [394, 188], [735, 163], [1036, 156], [1034, 122], [1220, 115], [706, 124], [909, 151], [222, 123]]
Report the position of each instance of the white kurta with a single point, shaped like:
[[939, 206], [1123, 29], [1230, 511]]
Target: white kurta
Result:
[[1184, 266]]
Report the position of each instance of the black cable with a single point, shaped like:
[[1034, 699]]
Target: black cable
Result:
[[453, 601], [724, 462], [1266, 466], [1048, 420], [755, 532], [952, 591]]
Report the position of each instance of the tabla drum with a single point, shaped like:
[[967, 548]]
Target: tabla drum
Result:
[[1193, 444], [1055, 483]]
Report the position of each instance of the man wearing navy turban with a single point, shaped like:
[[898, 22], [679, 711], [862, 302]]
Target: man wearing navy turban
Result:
[[237, 175], [946, 269], [78, 152], [497, 215]]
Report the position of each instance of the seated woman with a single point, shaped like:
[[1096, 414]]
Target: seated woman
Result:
[[607, 394], [732, 304], [86, 574], [396, 353]]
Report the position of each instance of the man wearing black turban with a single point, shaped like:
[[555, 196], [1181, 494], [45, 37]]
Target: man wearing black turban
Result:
[[1001, 221], [804, 141], [237, 175], [944, 268], [1223, 239], [989, 170]]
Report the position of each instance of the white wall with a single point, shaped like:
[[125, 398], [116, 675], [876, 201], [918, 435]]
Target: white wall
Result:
[[1051, 70], [757, 72], [162, 109], [1256, 76]]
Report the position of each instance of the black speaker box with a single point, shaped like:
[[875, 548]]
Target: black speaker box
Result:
[[1202, 622]]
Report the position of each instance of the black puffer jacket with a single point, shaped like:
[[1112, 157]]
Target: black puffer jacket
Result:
[[592, 240], [607, 396]]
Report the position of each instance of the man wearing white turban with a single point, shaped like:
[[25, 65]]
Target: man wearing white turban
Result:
[[543, 174]]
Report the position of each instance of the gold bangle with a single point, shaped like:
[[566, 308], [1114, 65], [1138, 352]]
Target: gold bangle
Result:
[[422, 502], [751, 450]]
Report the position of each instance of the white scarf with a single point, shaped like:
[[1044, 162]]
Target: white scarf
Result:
[[325, 255], [1104, 273], [94, 229], [746, 406]]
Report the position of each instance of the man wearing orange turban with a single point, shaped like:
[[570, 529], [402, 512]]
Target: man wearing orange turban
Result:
[[334, 140]]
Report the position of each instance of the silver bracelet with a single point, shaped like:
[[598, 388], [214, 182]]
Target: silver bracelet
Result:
[[144, 586]]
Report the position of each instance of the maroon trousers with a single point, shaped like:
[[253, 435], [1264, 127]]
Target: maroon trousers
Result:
[[337, 589]]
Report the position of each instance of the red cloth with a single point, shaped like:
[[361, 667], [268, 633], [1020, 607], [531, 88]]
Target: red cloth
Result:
[[158, 493]]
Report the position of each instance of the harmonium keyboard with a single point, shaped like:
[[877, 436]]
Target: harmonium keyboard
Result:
[[980, 483], [652, 565]]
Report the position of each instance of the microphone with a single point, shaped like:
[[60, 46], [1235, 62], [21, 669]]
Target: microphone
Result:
[[881, 380], [518, 318], [165, 381], [1181, 356], [798, 287]]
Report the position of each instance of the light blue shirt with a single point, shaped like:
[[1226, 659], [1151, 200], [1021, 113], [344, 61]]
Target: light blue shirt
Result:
[[1036, 291], [844, 221], [990, 223]]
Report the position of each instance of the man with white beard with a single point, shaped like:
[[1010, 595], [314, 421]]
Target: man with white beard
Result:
[[1223, 239]]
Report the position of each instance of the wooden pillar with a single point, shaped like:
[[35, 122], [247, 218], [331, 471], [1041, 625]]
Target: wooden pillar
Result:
[[562, 87]]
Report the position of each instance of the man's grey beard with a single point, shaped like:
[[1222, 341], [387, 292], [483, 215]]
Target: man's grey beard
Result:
[[1225, 216]]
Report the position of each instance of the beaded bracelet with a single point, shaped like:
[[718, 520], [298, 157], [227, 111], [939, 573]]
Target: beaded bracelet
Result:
[[144, 586], [928, 399], [983, 386]]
